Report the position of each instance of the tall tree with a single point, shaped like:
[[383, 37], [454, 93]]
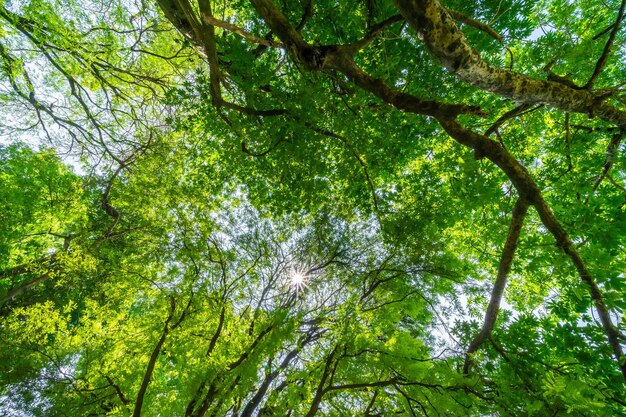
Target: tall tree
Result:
[[383, 207]]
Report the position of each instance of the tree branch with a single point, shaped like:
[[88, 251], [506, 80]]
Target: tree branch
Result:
[[529, 191], [254, 403], [249, 350], [46, 261], [167, 328], [208, 40], [506, 259], [210, 20], [253, 112], [24, 287], [607, 47], [608, 164], [320, 391], [308, 12], [463, 18], [152, 362], [515, 112], [374, 32], [202, 35], [356, 155], [447, 44], [118, 390]]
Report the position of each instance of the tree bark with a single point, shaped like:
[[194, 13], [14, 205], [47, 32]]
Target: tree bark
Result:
[[436, 28], [506, 259], [447, 43]]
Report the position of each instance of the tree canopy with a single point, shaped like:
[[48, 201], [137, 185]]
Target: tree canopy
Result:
[[310, 207]]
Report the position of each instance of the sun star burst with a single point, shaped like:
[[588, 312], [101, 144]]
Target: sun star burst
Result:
[[297, 279]]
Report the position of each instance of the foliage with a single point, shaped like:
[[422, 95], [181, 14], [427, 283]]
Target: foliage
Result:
[[312, 208]]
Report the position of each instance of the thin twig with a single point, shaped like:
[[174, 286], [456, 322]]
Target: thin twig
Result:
[[463, 18], [607, 47], [210, 20], [608, 164]]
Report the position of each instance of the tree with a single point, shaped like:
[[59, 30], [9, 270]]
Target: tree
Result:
[[379, 149]]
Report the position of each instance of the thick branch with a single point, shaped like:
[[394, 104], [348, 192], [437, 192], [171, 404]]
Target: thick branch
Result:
[[24, 287], [528, 190], [506, 259], [402, 101], [202, 35], [281, 27], [178, 18], [254, 403], [249, 350], [118, 390], [308, 12], [210, 46], [447, 43], [167, 328], [46, 261], [206, 402], [218, 332], [340, 58]]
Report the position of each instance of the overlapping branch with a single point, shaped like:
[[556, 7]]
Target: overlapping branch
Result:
[[528, 190], [95, 85], [448, 45], [200, 31], [432, 21], [24, 287]]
